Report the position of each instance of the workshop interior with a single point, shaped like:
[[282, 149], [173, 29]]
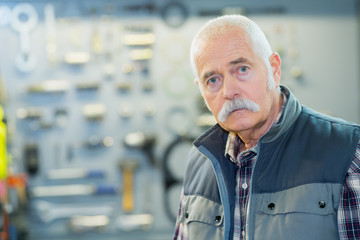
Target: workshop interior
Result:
[[99, 107]]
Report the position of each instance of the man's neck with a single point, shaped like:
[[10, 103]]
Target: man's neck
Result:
[[251, 137]]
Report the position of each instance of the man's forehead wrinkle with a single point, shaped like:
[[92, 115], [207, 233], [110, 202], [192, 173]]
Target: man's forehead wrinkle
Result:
[[205, 51]]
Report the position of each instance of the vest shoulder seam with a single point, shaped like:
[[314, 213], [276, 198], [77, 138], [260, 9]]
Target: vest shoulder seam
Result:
[[203, 196], [329, 119], [302, 184]]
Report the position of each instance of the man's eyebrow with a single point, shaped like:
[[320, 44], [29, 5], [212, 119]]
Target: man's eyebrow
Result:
[[207, 75], [239, 60]]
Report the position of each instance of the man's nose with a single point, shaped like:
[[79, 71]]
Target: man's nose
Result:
[[231, 88]]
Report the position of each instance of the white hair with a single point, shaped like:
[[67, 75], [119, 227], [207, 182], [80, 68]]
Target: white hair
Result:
[[255, 37]]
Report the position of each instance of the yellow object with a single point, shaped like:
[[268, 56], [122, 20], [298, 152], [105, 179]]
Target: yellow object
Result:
[[128, 198], [3, 159], [139, 39]]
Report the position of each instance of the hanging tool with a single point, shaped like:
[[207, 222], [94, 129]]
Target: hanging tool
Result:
[[50, 26], [95, 142], [141, 54], [3, 152], [149, 111], [128, 167], [24, 20], [144, 7], [61, 117], [49, 212], [5, 233], [144, 142], [19, 183], [29, 113], [174, 13], [81, 224], [77, 58], [75, 173], [50, 86], [139, 39], [97, 44], [94, 112], [73, 190], [86, 86], [134, 222], [172, 177], [126, 111], [31, 155], [124, 86]]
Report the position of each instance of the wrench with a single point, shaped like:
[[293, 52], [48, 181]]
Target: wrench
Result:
[[24, 61], [49, 212]]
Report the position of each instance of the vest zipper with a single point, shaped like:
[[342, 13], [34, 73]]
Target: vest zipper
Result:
[[248, 216], [221, 186]]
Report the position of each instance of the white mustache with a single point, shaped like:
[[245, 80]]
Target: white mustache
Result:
[[236, 104]]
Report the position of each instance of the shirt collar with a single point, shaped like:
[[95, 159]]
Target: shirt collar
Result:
[[232, 146]]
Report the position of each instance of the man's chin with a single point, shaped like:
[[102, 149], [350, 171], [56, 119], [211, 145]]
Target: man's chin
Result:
[[235, 123]]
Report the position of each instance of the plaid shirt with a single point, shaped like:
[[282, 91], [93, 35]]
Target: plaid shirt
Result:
[[244, 162], [349, 209]]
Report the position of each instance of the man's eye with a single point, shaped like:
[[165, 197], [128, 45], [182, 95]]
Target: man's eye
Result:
[[212, 80], [243, 69]]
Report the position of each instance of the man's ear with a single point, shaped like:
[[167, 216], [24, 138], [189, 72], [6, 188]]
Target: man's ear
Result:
[[196, 81], [275, 63]]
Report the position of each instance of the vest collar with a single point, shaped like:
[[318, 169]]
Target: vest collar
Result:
[[291, 113]]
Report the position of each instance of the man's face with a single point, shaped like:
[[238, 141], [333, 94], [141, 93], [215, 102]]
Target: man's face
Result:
[[229, 69]]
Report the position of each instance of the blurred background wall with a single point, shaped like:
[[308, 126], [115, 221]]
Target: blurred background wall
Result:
[[100, 105]]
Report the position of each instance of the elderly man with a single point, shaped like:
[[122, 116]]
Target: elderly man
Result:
[[271, 168]]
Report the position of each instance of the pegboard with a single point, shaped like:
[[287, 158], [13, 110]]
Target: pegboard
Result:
[[104, 75], [100, 82]]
